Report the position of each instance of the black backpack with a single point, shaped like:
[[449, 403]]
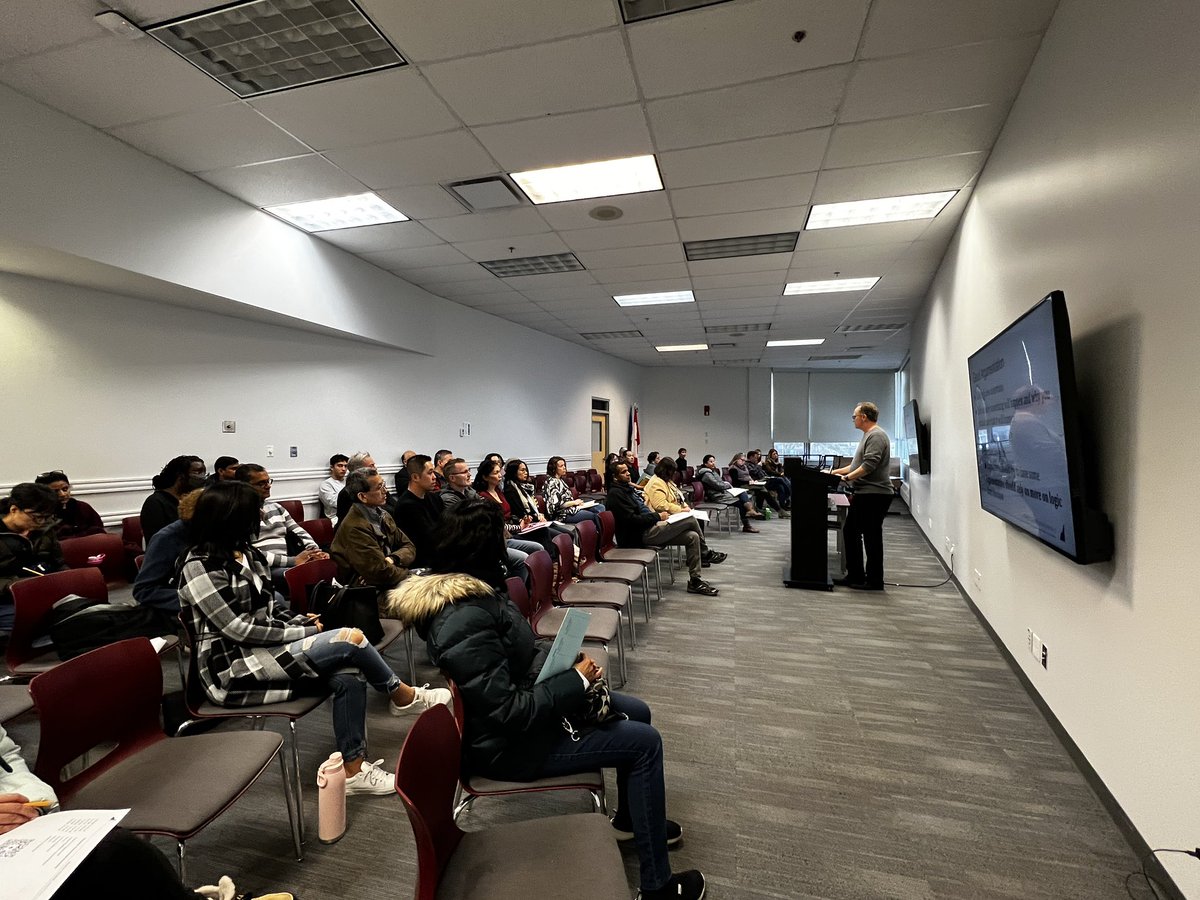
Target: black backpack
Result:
[[78, 624]]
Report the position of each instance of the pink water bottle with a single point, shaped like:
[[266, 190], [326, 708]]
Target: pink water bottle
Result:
[[331, 800]]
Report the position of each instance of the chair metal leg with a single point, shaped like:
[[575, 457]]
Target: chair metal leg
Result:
[[629, 612], [182, 861], [621, 655], [294, 815], [645, 587], [598, 804], [658, 576], [297, 781], [412, 659], [463, 806]]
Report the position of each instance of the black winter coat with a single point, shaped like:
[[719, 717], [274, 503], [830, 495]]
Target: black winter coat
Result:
[[479, 639], [631, 516]]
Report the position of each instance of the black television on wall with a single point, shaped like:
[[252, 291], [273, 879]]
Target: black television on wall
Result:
[[1028, 448], [916, 435]]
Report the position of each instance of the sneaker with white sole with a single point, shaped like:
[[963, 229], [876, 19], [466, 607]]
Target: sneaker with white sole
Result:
[[371, 779], [687, 885], [426, 698], [225, 889]]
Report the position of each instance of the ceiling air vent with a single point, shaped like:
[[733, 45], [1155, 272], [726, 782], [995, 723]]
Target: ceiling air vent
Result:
[[833, 357], [264, 46], [609, 335], [736, 362], [492, 192], [533, 265], [750, 245], [636, 10], [737, 329], [882, 326]]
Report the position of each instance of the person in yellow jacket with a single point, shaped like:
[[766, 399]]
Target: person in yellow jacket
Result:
[[663, 496]]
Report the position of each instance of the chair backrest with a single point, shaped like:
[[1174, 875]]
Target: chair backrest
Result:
[[608, 532], [76, 552], [566, 562], [541, 503], [193, 688], [697, 491], [131, 533], [586, 530], [519, 595], [320, 530], [541, 578], [32, 600], [426, 777], [295, 509], [301, 576], [539, 482], [595, 481], [580, 482], [111, 695]]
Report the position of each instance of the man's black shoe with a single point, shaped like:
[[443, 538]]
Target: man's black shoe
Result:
[[713, 558], [846, 582], [696, 586], [687, 885], [624, 832]]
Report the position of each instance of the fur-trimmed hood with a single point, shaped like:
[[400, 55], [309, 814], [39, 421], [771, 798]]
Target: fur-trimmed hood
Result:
[[421, 597]]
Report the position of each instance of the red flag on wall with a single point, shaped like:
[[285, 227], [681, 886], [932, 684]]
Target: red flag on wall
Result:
[[635, 432]]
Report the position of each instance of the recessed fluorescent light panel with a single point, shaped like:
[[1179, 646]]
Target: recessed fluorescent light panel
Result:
[[353, 211], [632, 175], [533, 265], [872, 212], [266, 46], [803, 342], [750, 245], [654, 299], [835, 286], [608, 335], [676, 348]]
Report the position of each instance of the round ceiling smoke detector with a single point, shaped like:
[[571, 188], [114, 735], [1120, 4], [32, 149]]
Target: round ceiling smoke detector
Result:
[[606, 213]]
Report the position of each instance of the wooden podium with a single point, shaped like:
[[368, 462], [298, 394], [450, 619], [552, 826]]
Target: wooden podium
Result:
[[809, 564]]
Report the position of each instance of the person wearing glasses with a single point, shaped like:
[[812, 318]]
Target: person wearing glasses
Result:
[[458, 489], [280, 534], [28, 547], [369, 547], [75, 518], [868, 478]]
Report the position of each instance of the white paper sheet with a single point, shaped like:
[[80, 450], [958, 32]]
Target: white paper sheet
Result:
[[566, 645], [37, 857]]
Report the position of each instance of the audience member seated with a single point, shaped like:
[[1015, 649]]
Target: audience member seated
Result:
[[777, 486], [223, 470], [639, 526], [499, 461], [75, 518], [28, 547], [458, 489], [328, 492], [402, 476], [134, 869], [253, 651], [518, 491], [439, 465], [513, 727], [740, 477], [488, 482], [651, 462], [609, 461], [681, 462], [155, 585], [360, 460], [420, 507], [280, 538], [561, 505], [719, 490], [662, 495], [369, 548], [178, 477]]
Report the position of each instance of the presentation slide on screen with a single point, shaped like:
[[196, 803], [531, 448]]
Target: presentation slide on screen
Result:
[[1019, 430]]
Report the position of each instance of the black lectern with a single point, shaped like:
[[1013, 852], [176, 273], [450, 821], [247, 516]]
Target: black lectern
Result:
[[809, 565]]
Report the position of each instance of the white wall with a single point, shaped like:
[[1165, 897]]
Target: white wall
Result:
[[109, 388], [1093, 188], [671, 411]]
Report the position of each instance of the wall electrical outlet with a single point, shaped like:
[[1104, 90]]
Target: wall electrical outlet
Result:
[[1045, 656], [976, 579], [1036, 647], [270, 451], [228, 426], [293, 452]]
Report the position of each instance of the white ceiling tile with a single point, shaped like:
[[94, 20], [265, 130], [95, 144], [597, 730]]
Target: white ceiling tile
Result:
[[472, 288], [770, 221], [186, 140], [737, 42], [292, 180], [148, 12], [568, 138], [483, 226], [112, 81], [765, 157], [513, 247], [757, 269], [911, 137], [449, 274], [779, 106], [939, 79], [563, 76], [651, 206], [904, 26], [550, 280], [484, 297], [914, 176], [392, 236], [872, 256], [366, 109], [421, 257], [611, 236], [580, 292], [43, 24], [423, 201], [652, 286], [640, 273], [424, 31], [631, 256], [762, 193], [714, 289], [424, 160], [861, 235]]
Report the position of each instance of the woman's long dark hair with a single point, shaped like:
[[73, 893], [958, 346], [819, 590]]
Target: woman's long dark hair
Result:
[[227, 519], [552, 465], [177, 468], [485, 469], [36, 498], [469, 538]]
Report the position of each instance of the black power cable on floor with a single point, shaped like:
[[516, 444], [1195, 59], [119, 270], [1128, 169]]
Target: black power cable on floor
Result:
[[1151, 882]]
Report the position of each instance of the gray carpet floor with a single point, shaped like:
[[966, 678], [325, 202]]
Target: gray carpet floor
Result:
[[835, 745]]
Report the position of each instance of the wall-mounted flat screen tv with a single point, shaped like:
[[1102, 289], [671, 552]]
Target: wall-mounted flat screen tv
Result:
[[1027, 442], [916, 436]]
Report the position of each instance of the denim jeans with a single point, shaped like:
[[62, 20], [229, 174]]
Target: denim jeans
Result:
[[781, 487], [331, 653], [580, 515], [634, 749]]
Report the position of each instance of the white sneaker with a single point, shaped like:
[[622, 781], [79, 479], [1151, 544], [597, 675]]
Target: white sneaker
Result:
[[371, 779], [426, 697]]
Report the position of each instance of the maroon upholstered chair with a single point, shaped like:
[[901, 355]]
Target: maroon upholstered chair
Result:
[[172, 786], [115, 566], [568, 592], [295, 509], [608, 551], [33, 599], [502, 862], [591, 569], [321, 531]]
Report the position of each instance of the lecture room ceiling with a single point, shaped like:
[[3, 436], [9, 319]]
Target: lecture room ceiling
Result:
[[749, 128]]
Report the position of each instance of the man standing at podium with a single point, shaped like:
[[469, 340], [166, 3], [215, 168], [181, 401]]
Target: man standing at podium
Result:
[[868, 478]]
